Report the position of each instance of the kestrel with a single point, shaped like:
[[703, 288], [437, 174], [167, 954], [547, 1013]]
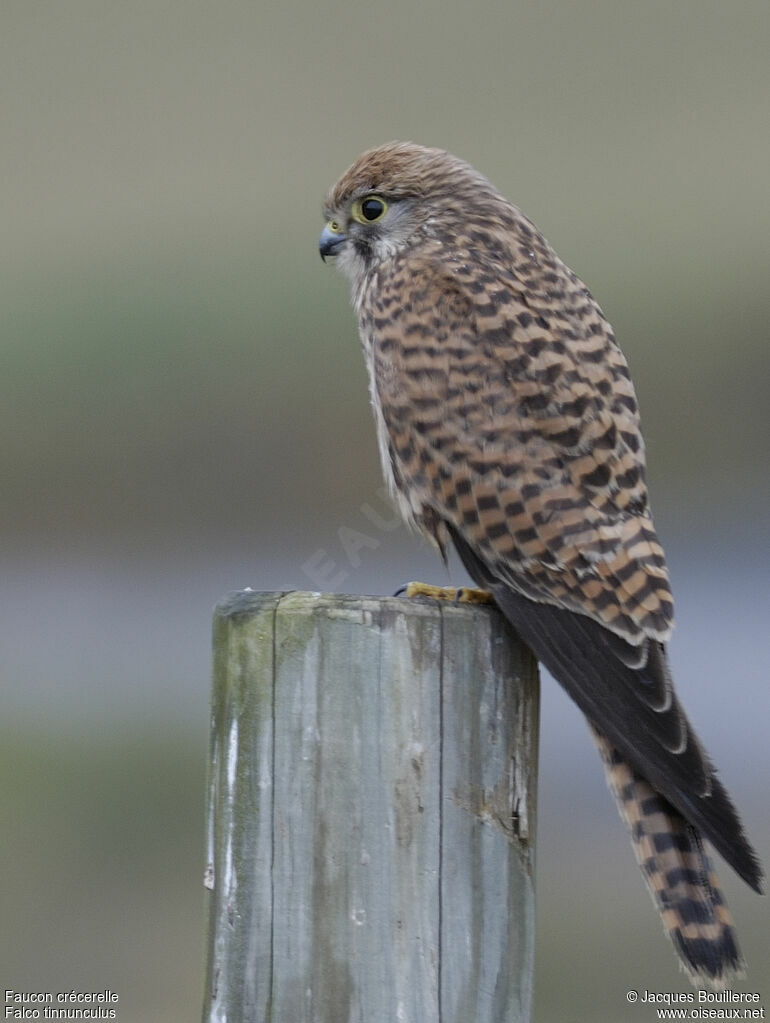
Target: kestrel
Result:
[[508, 425]]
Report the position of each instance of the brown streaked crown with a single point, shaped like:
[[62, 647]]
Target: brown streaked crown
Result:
[[403, 170]]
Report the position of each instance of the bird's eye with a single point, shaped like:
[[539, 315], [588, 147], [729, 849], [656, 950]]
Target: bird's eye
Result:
[[369, 210], [372, 209]]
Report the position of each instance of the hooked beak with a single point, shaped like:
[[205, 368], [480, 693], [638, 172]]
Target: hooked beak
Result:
[[330, 240]]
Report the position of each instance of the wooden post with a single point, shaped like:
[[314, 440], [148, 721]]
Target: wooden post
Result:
[[371, 813]]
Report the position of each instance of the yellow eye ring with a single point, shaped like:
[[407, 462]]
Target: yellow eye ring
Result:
[[369, 209]]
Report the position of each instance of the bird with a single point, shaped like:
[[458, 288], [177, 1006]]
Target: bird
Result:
[[508, 427]]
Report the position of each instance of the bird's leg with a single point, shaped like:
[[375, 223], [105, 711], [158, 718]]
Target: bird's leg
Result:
[[460, 595]]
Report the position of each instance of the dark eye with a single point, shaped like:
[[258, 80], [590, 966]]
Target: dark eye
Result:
[[369, 209], [372, 209]]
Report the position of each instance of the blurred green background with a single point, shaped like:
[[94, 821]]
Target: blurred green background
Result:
[[184, 412]]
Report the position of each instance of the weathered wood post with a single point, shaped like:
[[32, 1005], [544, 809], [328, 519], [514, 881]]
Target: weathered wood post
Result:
[[371, 813]]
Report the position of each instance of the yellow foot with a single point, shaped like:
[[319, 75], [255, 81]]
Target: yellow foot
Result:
[[462, 595]]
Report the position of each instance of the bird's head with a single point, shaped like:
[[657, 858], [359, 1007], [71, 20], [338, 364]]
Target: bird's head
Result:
[[397, 195]]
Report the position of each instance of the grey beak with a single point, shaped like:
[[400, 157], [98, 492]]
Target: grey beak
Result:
[[330, 241]]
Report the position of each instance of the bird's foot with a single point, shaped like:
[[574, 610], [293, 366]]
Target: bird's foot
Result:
[[459, 595]]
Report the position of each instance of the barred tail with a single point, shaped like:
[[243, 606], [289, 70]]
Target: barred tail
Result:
[[678, 874]]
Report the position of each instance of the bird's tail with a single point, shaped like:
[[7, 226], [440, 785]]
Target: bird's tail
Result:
[[678, 874]]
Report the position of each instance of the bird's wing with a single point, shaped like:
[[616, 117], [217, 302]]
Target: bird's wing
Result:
[[519, 427], [621, 702], [522, 442]]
